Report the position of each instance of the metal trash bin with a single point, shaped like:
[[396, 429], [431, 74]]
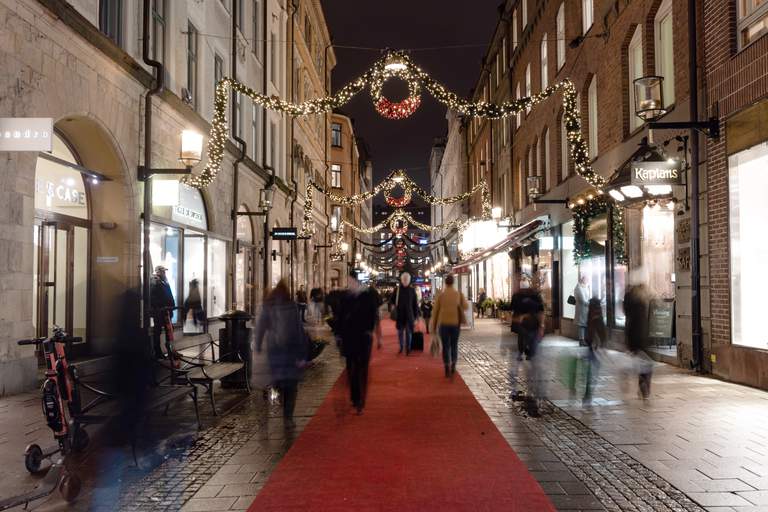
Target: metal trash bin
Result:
[[234, 339]]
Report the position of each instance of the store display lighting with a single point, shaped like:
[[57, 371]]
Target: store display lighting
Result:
[[615, 194], [659, 190], [496, 212], [632, 191]]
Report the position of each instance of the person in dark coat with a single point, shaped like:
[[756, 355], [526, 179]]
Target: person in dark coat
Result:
[[162, 301], [357, 322], [407, 311], [280, 323], [596, 339], [637, 300], [426, 311], [528, 324], [301, 300], [194, 304], [481, 303]]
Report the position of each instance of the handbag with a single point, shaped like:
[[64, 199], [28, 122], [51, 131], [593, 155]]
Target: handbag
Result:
[[572, 300], [393, 313]]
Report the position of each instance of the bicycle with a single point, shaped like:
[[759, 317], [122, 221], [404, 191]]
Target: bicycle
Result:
[[65, 416]]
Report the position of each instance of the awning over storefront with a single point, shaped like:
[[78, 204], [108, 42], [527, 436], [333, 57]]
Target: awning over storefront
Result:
[[515, 238]]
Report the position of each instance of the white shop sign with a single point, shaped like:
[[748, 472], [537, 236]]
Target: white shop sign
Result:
[[191, 208], [26, 134]]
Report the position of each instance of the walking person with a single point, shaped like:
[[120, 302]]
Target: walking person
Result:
[[194, 304], [481, 303], [161, 298], [301, 300], [280, 323], [316, 304], [447, 318], [528, 324], [597, 338], [356, 324], [426, 311], [637, 300], [406, 311], [582, 295]]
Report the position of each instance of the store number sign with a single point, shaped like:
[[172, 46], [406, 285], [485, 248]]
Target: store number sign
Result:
[[26, 134]]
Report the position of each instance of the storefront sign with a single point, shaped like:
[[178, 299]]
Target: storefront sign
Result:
[[283, 233], [26, 134], [661, 319], [190, 209], [667, 172]]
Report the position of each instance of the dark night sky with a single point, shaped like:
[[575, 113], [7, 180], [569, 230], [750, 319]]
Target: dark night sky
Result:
[[411, 24]]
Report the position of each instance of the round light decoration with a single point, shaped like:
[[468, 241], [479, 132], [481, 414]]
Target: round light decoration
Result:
[[398, 225], [395, 65], [398, 202]]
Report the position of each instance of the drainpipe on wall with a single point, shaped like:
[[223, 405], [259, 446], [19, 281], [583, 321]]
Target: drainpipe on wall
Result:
[[271, 181], [240, 158], [159, 76], [295, 6], [326, 282]]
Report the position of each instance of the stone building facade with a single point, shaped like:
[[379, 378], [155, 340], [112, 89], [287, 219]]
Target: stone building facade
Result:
[[81, 64]]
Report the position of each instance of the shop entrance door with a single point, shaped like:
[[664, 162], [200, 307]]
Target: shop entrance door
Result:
[[60, 276], [245, 272]]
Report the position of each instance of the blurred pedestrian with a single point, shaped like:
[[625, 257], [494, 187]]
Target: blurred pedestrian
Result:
[[316, 304], [447, 318], [426, 312], [528, 324], [406, 311], [161, 298], [280, 323], [301, 300], [582, 295], [637, 300], [356, 323], [596, 339], [481, 303], [194, 304]]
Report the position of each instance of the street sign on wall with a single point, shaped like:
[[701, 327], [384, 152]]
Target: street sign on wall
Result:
[[283, 233], [26, 134], [667, 172]]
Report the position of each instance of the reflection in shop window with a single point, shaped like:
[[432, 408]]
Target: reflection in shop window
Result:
[[194, 268], [164, 250], [570, 270], [748, 181], [217, 277]]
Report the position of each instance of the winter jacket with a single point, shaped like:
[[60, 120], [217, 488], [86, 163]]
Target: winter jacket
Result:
[[445, 311], [581, 294], [280, 324], [407, 306]]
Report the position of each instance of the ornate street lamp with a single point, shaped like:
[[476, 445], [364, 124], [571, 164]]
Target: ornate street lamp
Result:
[[649, 98]]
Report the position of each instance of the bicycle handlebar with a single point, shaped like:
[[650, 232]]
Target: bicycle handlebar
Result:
[[64, 339], [33, 341]]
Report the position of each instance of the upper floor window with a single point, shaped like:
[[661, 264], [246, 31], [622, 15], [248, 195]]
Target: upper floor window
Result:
[[158, 30], [665, 56], [504, 55], [524, 13], [192, 63], [528, 85], [563, 150], [498, 69], [111, 19], [587, 15], [547, 156], [240, 14], [336, 135], [518, 115], [218, 69], [561, 36], [635, 62], [753, 20], [592, 113], [336, 175], [514, 29], [544, 65], [256, 31]]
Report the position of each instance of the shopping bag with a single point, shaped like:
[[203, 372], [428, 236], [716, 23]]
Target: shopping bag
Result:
[[435, 344]]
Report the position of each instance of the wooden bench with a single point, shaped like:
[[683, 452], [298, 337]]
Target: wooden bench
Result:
[[201, 363]]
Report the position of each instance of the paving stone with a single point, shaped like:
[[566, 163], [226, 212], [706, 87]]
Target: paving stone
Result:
[[208, 504], [719, 499]]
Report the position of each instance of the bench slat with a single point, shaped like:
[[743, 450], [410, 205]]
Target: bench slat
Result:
[[214, 371]]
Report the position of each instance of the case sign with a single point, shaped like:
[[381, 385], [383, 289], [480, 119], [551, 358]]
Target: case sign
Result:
[[656, 173], [26, 134]]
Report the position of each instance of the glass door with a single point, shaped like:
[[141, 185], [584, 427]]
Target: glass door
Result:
[[61, 278]]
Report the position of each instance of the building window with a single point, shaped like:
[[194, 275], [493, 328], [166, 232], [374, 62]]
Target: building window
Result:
[[753, 20], [514, 30], [748, 209], [335, 175], [273, 59], [240, 14], [664, 46], [111, 19], [545, 167], [520, 180], [158, 30], [255, 131], [524, 13], [544, 65], [561, 36], [592, 112], [563, 150], [504, 55], [587, 15], [273, 145], [256, 31], [498, 69], [192, 63], [218, 69], [336, 135], [528, 85], [237, 123], [519, 113], [335, 216], [635, 61]]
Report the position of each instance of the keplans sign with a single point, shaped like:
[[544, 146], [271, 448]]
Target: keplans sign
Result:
[[668, 172]]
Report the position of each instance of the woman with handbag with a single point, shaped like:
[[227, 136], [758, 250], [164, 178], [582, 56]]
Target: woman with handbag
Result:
[[447, 318], [581, 297]]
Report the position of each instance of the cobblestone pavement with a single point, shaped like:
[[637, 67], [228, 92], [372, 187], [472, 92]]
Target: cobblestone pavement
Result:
[[698, 444]]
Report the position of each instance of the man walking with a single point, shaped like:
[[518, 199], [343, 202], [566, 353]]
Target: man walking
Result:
[[358, 321], [161, 299]]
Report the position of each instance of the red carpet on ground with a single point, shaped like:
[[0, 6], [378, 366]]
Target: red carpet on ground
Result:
[[423, 443]]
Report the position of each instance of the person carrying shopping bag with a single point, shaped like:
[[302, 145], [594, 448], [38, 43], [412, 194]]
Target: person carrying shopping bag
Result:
[[405, 312], [447, 318]]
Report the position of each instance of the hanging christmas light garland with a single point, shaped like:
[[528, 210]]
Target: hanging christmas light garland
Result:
[[397, 64], [582, 217]]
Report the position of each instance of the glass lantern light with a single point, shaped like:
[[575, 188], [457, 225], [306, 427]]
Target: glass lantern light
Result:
[[649, 100], [265, 198], [534, 184], [191, 148]]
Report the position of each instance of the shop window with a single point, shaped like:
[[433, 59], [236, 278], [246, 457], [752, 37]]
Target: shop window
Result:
[[753, 21], [664, 47], [635, 61], [217, 277], [193, 272], [60, 189], [164, 246], [748, 209], [561, 36], [569, 269]]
